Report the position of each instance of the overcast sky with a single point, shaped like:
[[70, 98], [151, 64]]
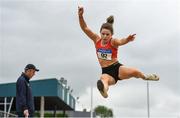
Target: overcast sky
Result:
[[47, 34]]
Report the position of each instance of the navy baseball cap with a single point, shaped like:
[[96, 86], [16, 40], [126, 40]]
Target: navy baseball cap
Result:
[[31, 66]]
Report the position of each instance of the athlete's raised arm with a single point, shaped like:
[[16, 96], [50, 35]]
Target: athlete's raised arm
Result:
[[123, 41], [84, 26]]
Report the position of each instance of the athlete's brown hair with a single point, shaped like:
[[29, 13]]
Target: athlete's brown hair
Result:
[[109, 24]]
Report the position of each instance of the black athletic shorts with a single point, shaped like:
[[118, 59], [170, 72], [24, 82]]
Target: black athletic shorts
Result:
[[112, 70]]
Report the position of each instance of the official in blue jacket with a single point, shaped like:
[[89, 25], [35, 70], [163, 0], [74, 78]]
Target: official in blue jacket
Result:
[[24, 97]]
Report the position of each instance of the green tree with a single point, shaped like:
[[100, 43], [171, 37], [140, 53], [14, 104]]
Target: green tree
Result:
[[103, 111]]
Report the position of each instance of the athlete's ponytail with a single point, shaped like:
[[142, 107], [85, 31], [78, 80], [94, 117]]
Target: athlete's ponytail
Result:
[[110, 19]]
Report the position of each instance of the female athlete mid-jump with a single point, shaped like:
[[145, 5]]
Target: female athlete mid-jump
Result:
[[106, 50]]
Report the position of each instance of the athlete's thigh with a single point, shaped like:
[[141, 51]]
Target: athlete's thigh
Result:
[[125, 72], [108, 78]]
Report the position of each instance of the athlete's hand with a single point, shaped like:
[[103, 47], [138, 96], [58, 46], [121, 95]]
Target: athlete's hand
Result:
[[131, 37], [80, 11]]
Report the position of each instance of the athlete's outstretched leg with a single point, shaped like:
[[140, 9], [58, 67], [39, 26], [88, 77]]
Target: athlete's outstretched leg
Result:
[[127, 72]]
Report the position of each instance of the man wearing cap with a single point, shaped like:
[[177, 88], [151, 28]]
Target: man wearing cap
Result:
[[24, 98]]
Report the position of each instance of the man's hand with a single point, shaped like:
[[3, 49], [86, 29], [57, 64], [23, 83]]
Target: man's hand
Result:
[[80, 11], [131, 37], [26, 113]]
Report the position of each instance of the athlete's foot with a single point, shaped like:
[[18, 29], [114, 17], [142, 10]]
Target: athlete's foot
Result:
[[101, 88], [151, 77]]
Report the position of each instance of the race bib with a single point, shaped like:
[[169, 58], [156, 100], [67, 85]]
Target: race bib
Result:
[[105, 54]]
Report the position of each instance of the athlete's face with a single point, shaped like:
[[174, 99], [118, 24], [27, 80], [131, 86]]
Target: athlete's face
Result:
[[106, 34]]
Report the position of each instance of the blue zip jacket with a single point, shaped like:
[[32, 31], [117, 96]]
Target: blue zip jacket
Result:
[[24, 98]]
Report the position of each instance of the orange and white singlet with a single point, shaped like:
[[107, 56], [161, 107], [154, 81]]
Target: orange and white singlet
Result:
[[107, 52]]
